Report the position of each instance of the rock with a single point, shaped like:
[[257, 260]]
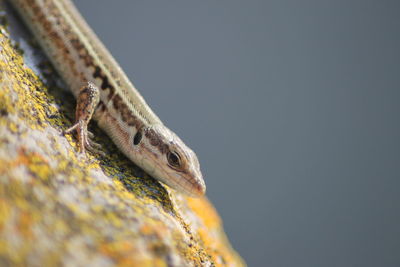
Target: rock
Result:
[[59, 208]]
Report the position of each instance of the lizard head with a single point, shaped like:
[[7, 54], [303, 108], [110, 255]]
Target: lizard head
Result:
[[165, 157]]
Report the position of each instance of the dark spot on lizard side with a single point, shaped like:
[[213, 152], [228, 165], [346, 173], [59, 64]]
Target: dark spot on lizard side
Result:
[[137, 138], [104, 81], [105, 84], [97, 72]]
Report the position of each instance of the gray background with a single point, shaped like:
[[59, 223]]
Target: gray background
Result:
[[292, 108]]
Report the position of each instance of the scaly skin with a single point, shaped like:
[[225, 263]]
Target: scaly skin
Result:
[[83, 62]]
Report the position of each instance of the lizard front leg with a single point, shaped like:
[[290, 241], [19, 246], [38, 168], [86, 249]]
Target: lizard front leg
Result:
[[87, 101]]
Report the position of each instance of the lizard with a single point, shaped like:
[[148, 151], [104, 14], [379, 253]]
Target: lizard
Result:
[[105, 94]]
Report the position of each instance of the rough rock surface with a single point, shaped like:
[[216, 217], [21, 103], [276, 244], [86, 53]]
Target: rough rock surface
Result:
[[58, 208]]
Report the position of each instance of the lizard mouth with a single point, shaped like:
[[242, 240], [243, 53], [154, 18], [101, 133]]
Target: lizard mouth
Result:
[[191, 186]]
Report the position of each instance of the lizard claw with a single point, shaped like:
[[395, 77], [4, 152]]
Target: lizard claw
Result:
[[93, 147]]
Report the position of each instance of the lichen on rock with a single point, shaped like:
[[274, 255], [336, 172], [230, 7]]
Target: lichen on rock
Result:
[[59, 208]]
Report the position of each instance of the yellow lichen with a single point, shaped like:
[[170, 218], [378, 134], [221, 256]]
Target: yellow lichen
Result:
[[4, 212]]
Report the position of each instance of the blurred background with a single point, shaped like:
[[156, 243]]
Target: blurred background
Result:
[[293, 109]]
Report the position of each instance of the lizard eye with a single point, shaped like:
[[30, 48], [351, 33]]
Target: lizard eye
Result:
[[173, 159]]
